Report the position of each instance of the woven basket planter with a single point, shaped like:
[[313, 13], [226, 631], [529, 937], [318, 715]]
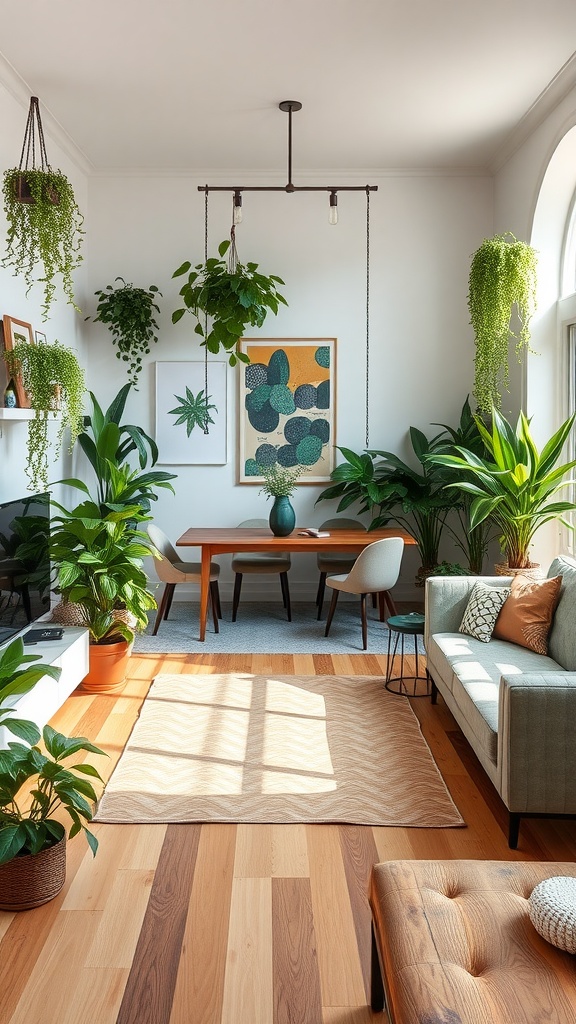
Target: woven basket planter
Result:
[[28, 882], [533, 570]]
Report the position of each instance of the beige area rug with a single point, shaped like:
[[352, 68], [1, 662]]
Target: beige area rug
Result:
[[277, 749]]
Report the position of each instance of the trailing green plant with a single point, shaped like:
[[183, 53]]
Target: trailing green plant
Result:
[[27, 821], [46, 232], [279, 481], [232, 294], [54, 380], [129, 312], [513, 485], [450, 569], [98, 562], [109, 445], [502, 276]]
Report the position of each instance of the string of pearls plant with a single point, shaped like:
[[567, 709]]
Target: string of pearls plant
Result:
[[54, 380], [502, 275]]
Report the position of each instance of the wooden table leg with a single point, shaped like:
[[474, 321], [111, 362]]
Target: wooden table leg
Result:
[[204, 588]]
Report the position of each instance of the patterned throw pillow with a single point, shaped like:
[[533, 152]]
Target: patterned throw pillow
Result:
[[482, 611]]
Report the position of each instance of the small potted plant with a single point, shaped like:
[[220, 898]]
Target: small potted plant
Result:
[[279, 483], [232, 294], [502, 276], [53, 378], [129, 313], [32, 838], [98, 561]]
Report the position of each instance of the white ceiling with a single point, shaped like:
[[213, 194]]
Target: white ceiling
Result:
[[183, 85]]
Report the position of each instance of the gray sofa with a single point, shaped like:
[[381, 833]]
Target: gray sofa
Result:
[[516, 708]]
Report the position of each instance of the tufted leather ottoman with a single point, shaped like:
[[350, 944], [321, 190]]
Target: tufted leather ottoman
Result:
[[454, 944]]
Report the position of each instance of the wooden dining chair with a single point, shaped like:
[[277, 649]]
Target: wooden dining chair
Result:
[[172, 570], [375, 571], [260, 562]]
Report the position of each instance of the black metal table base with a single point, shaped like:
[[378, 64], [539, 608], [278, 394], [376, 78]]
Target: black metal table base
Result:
[[406, 686]]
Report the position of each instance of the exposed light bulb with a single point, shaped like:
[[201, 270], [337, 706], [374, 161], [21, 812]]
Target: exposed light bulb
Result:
[[333, 213], [237, 208]]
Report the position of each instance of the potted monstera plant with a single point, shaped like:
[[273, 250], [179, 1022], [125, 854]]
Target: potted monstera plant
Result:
[[32, 835], [232, 294]]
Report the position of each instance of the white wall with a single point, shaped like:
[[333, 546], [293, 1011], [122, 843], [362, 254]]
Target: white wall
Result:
[[64, 323], [423, 230]]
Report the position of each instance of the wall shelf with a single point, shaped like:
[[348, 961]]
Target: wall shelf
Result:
[[16, 414]]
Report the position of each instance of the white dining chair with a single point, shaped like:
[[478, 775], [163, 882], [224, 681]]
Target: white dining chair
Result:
[[172, 570], [375, 571], [334, 562]]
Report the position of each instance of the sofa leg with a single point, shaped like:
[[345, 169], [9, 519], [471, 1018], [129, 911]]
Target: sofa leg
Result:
[[433, 688], [513, 829], [376, 985]]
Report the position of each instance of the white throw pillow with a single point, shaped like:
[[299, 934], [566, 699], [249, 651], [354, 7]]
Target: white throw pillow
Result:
[[482, 611]]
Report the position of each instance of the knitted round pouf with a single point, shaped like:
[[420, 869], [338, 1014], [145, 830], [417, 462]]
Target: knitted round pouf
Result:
[[552, 909]]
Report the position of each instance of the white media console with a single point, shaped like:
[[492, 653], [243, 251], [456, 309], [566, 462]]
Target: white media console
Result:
[[39, 704]]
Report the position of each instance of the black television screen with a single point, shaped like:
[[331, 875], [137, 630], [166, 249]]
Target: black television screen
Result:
[[24, 562]]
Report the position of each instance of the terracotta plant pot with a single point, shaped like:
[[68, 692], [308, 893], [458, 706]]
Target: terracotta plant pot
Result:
[[108, 667], [28, 882]]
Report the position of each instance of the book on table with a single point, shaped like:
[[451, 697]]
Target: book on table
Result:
[[311, 531]]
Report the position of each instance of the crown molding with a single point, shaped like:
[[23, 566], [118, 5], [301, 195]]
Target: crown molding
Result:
[[550, 97], [254, 177], [21, 92]]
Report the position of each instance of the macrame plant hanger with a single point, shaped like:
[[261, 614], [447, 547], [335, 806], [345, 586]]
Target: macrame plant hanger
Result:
[[367, 317], [206, 430], [28, 155]]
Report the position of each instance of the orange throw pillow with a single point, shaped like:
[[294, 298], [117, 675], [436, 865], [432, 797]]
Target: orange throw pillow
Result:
[[526, 616]]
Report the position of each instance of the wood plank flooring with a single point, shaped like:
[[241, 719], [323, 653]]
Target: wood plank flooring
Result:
[[232, 924]]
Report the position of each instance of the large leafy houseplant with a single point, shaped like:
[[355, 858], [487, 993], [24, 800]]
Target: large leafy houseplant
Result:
[[129, 312], [232, 294], [109, 444], [98, 561], [54, 380], [28, 824], [502, 276], [44, 230], [514, 484]]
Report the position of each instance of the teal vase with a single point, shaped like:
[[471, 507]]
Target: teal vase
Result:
[[282, 517]]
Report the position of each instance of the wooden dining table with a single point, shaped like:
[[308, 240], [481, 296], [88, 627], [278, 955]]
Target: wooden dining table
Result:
[[225, 540]]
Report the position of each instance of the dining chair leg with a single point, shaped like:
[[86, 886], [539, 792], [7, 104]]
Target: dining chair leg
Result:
[[364, 621], [236, 596], [320, 594], [286, 594], [390, 602], [169, 596], [374, 600], [161, 608], [333, 603], [382, 605], [218, 605], [213, 597]]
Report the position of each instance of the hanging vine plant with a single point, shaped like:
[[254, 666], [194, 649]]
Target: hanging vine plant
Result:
[[502, 276], [53, 378], [234, 295], [129, 314], [44, 223]]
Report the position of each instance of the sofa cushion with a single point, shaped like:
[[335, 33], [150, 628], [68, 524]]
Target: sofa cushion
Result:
[[562, 640], [472, 669], [526, 616], [482, 611]]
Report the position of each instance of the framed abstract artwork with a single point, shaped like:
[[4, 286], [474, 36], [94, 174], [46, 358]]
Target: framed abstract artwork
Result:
[[14, 331], [287, 407], [183, 409]]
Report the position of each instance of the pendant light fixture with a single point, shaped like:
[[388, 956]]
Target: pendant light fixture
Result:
[[290, 107]]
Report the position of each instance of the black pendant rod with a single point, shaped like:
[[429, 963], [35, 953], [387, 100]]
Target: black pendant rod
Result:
[[288, 106]]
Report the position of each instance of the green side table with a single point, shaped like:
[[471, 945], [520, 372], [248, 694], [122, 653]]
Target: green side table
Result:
[[399, 627]]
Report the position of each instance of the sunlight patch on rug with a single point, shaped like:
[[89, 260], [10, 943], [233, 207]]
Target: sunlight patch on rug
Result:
[[275, 749]]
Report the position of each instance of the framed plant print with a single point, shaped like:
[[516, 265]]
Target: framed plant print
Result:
[[183, 410], [14, 331], [287, 411]]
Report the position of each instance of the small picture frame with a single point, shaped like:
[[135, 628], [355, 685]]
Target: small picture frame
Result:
[[40, 337], [14, 331]]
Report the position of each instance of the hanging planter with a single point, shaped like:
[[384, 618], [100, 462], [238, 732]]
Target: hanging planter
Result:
[[54, 380], [129, 312], [234, 295], [44, 222], [502, 276]]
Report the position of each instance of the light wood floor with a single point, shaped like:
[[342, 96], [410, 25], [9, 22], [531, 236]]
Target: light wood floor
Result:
[[231, 924]]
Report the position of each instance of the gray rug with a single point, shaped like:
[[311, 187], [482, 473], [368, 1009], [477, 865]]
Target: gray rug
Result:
[[262, 628]]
